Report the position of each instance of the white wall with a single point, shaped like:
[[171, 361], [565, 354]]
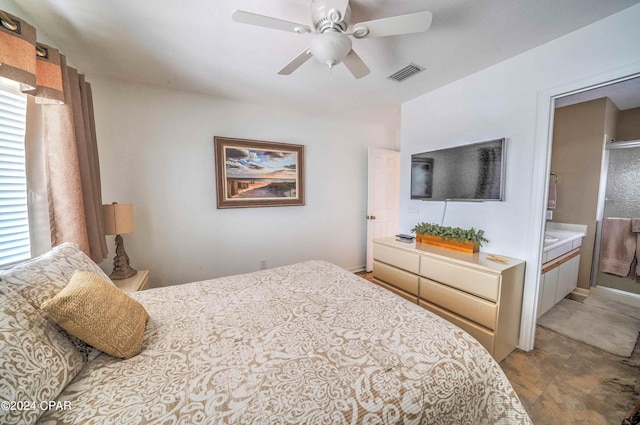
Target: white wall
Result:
[[512, 100], [156, 151]]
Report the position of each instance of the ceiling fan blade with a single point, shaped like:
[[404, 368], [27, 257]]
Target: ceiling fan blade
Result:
[[395, 25], [268, 22], [355, 65], [296, 62]]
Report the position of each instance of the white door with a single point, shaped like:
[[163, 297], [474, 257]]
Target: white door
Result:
[[384, 197]]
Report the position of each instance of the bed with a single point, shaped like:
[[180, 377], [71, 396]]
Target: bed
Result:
[[308, 343]]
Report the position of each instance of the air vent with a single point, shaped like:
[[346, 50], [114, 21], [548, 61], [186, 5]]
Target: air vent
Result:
[[406, 72]]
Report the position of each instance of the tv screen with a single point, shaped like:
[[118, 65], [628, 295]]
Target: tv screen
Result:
[[472, 172]]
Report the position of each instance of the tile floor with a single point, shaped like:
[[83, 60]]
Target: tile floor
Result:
[[563, 381]]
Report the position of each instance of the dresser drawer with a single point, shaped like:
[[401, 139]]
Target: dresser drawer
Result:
[[473, 308], [484, 336], [470, 280], [405, 260], [399, 278], [397, 291]]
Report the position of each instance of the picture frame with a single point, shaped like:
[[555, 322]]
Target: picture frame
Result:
[[254, 173]]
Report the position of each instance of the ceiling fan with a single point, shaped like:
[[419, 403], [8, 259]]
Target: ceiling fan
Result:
[[331, 44]]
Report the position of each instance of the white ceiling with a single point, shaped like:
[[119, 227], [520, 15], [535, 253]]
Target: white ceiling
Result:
[[624, 94], [194, 45]]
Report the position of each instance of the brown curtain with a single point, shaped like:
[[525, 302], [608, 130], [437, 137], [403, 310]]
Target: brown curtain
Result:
[[71, 153], [73, 170], [17, 51]]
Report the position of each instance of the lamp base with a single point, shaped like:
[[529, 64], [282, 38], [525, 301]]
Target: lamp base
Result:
[[121, 267], [123, 274]]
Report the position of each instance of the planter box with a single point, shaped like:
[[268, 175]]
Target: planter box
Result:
[[446, 243]]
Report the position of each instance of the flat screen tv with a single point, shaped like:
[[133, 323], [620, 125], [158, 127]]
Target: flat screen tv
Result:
[[472, 172]]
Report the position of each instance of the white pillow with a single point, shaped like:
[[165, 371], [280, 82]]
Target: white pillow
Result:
[[37, 358]]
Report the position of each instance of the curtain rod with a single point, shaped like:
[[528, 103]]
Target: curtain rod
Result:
[[7, 22], [11, 25]]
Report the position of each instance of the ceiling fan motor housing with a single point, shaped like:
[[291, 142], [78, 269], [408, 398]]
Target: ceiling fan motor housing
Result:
[[325, 17]]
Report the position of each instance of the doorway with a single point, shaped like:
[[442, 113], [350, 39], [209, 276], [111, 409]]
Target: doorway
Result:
[[599, 115], [594, 186]]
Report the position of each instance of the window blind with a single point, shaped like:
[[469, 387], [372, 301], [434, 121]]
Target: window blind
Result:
[[14, 219]]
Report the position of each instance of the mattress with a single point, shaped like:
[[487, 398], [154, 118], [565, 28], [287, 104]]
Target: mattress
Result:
[[308, 343]]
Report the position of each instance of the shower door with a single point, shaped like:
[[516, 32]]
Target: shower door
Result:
[[621, 199]]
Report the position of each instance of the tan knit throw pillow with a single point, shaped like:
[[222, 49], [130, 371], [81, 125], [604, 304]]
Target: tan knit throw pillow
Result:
[[99, 314]]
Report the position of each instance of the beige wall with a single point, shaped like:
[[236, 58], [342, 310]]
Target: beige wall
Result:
[[628, 125], [156, 151], [578, 140]]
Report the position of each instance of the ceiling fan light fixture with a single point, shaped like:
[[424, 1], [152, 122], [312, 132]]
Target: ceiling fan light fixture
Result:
[[332, 44], [330, 47]]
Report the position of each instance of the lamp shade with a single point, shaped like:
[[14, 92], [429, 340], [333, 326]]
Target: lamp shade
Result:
[[118, 219], [17, 51]]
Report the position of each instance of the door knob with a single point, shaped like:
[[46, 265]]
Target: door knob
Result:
[[371, 217]]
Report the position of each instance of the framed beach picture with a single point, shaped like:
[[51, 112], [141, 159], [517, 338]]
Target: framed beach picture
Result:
[[252, 173]]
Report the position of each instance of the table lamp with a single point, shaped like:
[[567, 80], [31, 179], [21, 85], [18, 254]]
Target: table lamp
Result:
[[118, 220]]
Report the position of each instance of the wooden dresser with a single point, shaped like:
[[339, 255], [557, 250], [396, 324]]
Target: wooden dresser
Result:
[[478, 294]]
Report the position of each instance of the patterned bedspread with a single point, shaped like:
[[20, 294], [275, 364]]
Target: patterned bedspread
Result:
[[304, 344]]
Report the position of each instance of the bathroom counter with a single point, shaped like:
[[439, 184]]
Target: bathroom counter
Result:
[[559, 234], [557, 238]]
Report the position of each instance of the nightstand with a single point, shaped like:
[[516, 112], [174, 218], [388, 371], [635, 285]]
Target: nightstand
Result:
[[137, 282]]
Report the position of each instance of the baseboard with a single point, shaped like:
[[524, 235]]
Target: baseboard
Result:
[[581, 291], [357, 269], [617, 295]]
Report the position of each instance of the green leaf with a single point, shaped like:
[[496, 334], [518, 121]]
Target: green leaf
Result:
[[447, 232]]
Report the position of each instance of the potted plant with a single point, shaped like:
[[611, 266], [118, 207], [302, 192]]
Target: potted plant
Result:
[[468, 240]]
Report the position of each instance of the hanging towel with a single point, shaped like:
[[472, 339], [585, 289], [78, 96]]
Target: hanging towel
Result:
[[553, 195], [635, 228], [618, 246]]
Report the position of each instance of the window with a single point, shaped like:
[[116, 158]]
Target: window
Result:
[[14, 218]]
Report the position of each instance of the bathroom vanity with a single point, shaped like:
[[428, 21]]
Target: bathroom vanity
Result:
[[560, 263]]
